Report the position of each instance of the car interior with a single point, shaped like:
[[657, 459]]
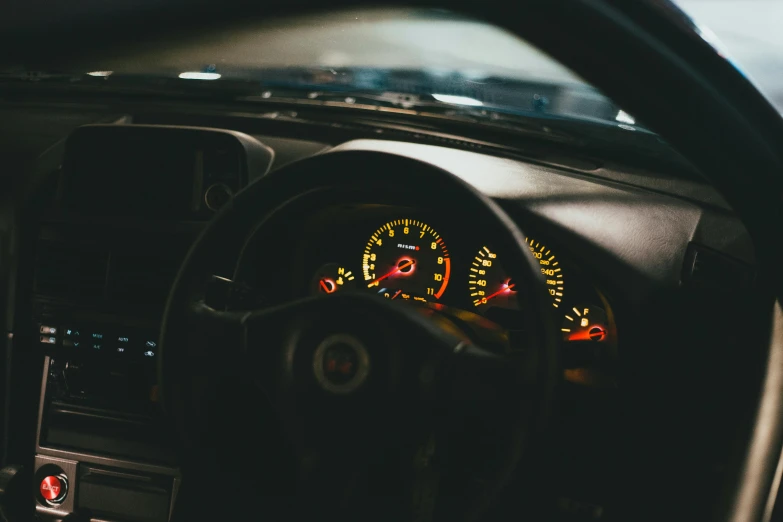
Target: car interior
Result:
[[243, 286]]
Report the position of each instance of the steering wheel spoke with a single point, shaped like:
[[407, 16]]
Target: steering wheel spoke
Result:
[[251, 340], [214, 339]]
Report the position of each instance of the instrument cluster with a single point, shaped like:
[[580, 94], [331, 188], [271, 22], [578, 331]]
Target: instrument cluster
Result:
[[407, 259], [413, 256]]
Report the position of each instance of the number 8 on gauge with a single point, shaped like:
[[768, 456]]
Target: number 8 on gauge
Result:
[[406, 259]]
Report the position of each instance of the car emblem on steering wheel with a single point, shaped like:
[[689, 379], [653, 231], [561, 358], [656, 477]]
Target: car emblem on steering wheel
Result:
[[341, 364]]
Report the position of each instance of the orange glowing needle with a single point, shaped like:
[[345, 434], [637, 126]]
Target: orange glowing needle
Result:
[[490, 296], [406, 264], [395, 295]]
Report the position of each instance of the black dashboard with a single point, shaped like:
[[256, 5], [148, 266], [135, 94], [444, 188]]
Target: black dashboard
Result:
[[615, 246]]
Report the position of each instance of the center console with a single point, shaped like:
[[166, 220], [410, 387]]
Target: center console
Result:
[[102, 445], [129, 202]]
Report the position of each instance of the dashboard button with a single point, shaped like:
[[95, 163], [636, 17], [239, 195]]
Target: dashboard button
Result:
[[71, 332], [150, 348], [53, 489]]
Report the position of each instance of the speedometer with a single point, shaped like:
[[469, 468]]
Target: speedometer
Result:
[[550, 269], [406, 259]]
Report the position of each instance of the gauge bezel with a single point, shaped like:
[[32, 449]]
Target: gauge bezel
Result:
[[407, 258]]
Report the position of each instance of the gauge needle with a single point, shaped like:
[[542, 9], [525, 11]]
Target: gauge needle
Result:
[[400, 268], [328, 285], [490, 296], [395, 295]]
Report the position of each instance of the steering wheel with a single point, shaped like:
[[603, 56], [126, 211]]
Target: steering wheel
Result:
[[409, 409]]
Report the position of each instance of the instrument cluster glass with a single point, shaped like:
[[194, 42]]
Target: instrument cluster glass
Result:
[[406, 258]]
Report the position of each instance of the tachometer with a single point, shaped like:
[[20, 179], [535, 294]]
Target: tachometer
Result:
[[406, 259]]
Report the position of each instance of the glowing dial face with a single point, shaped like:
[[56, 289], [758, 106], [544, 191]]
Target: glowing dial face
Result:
[[550, 269], [406, 259], [585, 323], [332, 278], [488, 284]]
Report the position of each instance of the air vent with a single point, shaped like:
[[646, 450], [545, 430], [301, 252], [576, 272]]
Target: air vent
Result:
[[709, 269], [74, 270]]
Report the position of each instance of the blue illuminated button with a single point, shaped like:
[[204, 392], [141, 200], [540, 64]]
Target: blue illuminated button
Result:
[[70, 343], [71, 332], [48, 340], [150, 347], [97, 336]]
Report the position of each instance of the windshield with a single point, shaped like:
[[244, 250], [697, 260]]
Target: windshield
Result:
[[415, 58], [421, 39], [435, 55]]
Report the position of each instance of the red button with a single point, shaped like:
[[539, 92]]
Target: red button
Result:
[[52, 488]]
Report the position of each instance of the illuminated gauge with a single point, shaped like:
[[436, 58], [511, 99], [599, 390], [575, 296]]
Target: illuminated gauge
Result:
[[585, 323], [550, 267], [489, 285], [406, 259], [331, 278]]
